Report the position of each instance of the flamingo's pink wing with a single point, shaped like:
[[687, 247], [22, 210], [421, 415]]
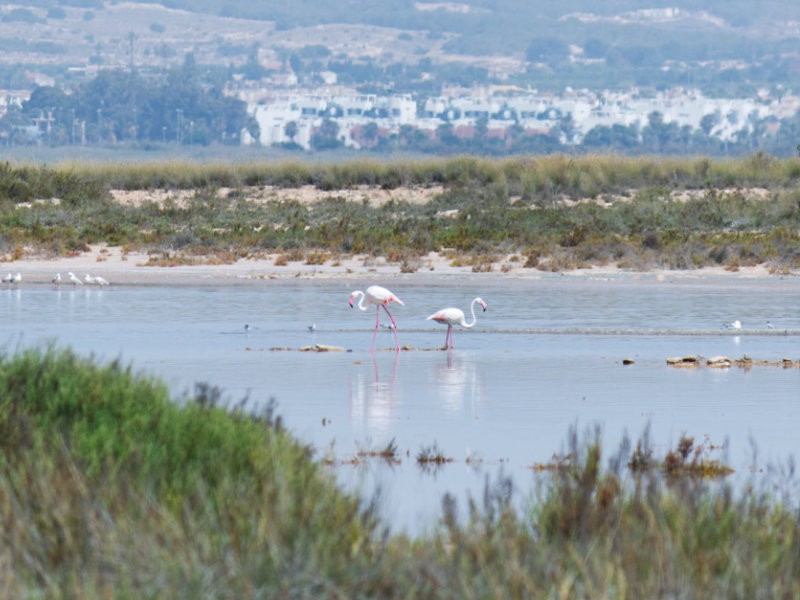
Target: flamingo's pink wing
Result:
[[448, 316]]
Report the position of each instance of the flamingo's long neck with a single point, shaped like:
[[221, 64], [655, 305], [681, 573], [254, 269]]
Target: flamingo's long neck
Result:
[[361, 306], [472, 310]]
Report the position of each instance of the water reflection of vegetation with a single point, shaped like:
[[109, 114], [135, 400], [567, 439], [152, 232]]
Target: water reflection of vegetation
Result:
[[552, 213], [688, 459], [110, 488], [431, 457], [388, 455]]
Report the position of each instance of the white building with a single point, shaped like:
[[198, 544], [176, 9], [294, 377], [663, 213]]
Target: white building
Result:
[[308, 112], [529, 109]]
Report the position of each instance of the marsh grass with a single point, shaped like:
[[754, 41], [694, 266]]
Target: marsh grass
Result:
[[578, 211], [106, 481], [432, 456], [317, 257], [389, 454], [110, 488]]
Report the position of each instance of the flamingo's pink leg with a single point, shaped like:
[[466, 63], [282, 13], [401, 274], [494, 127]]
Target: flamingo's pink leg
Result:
[[394, 327], [450, 333], [377, 322]]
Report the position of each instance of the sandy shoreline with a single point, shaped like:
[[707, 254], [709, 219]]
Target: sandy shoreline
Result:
[[135, 268]]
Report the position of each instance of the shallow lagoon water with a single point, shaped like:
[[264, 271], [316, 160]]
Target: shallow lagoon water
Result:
[[547, 355]]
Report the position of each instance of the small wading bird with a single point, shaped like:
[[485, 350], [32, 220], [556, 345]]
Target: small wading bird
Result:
[[737, 324], [73, 279], [378, 297], [455, 316], [8, 278], [95, 280], [57, 280]]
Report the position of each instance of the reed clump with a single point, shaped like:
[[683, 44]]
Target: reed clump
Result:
[[110, 488], [688, 459], [432, 455]]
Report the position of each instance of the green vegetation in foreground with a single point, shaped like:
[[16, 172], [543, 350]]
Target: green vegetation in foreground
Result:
[[630, 211], [109, 488]]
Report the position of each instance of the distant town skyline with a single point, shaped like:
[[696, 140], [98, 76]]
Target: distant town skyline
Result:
[[534, 112]]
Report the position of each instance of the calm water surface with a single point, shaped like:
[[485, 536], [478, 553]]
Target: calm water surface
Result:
[[545, 356]]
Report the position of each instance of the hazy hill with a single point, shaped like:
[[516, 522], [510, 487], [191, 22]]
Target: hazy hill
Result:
[[722, 44]]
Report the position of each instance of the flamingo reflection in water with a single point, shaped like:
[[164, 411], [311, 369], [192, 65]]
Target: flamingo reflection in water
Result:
[[373, 401], [458, 382], [378, 297]]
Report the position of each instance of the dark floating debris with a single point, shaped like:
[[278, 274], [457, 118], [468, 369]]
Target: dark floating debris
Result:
[[690, 360], [724, 362], [719, 362], [321, 348], [313, 348]]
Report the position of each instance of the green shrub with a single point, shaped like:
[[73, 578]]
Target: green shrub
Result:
[[110, 488]]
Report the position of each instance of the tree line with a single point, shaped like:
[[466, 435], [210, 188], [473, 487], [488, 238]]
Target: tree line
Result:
[[186, 105], [656, 137]]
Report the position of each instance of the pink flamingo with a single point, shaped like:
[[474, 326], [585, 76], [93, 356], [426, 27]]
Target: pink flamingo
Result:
[[455, 316], [379, 297]]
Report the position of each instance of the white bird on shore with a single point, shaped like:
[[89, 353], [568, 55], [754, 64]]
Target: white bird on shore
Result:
[[73, 279], [8, 278], [313, 327], [770, 325], [91, 280], [737, 325], [17, 278], [57, 280]]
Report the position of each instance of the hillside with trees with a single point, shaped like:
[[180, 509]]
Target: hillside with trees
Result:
[[722, 47], [182, 106], [138, 74]]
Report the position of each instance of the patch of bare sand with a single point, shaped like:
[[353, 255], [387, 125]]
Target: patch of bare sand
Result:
[[133, 268], [307, 194], [377, 196]]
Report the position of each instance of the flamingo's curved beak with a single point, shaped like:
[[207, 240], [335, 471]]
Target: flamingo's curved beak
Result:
[[483, 304], [351, 302]]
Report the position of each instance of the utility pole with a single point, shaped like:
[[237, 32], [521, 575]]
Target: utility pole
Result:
[[179, 133], [131, 39]]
